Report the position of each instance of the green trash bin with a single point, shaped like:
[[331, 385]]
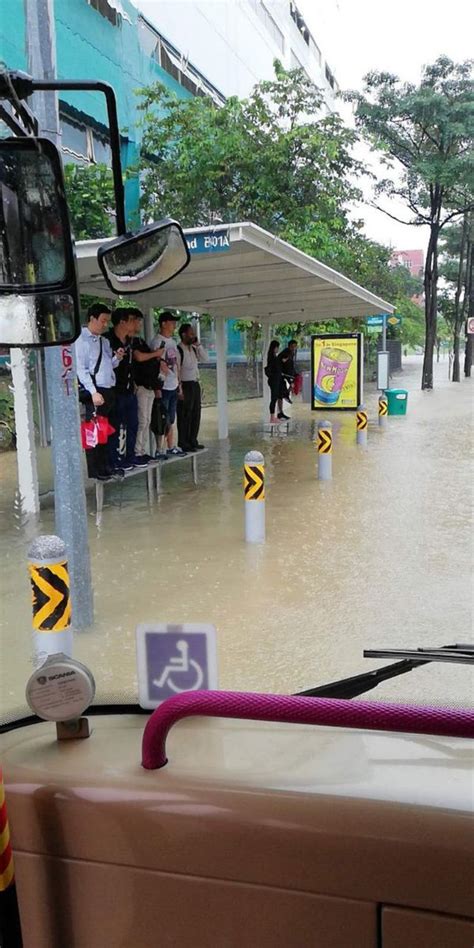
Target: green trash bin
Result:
[[397, 399]]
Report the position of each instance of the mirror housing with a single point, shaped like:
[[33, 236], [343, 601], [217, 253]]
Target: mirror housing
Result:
[[139, 262], [39, 303]]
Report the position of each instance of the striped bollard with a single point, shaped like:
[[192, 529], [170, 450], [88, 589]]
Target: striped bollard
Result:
[[361, 426], [52, 632], [10, 932], [383, 411], [324, 450], [254, 496]]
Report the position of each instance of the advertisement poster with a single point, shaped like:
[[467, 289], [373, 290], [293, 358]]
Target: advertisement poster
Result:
[[336, 370]]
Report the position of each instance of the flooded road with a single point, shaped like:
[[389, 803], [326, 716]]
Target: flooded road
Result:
[[379, 556]]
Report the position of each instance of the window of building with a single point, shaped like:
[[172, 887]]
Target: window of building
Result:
[[83, 145], [106, 10], [330, 77], [175, 64], [299, 22], [269, 23]]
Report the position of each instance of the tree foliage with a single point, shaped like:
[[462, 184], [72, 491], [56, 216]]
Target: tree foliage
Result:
[[456, 267], [423, 135], [91, 201], [272, 158]]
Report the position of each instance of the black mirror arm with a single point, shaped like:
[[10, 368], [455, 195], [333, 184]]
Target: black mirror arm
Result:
[[54, 85]]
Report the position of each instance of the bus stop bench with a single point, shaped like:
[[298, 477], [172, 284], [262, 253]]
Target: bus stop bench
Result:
[[153, 472]]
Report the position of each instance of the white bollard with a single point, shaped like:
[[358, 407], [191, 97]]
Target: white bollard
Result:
[[383, 411], [361, 426], [324, 450], [254, 497], [52, 632]]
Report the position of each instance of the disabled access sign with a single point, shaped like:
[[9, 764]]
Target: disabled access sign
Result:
[[172, 659]]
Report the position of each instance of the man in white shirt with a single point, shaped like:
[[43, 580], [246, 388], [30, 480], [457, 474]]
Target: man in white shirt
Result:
[[171, 381], [95, 370], [189, 405]]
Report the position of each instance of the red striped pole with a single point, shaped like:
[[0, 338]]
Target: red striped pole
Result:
[[10, 931]]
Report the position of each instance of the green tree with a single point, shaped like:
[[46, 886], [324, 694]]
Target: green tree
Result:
[[456, 267], [91, 201], [424, 136], [272, 158]]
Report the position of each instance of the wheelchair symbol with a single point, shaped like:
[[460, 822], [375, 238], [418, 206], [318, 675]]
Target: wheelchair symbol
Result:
[[178, 666]]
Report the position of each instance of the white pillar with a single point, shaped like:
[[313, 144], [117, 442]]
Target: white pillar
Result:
[[221, 368], [148, 327], [25, 431], [266, 340]]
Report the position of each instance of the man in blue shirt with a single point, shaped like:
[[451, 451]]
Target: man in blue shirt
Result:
[[96, 365]]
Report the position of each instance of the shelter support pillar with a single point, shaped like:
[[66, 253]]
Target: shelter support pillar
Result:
[[221, 368], [25, 432], [266, 340]]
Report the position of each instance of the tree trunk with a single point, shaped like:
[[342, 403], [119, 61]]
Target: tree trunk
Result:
[[458, 309], [468, 352], [469, 299], [431, 307]]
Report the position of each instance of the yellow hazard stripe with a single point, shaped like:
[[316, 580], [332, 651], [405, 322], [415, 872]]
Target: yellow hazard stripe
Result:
[[6, 878], [254, 482], [324, 441], [4, 838], [361, 420], [54, 597]]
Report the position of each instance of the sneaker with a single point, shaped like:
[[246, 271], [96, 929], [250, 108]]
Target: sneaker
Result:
[[198, 447], [176, 452], [124, 466], [283, 417], [140, 460], [103, 477], [161, 457]]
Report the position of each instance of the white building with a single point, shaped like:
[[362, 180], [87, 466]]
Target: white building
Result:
[[234, 42]]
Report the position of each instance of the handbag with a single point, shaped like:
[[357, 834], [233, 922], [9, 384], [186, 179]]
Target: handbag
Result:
[[85, 396], [95, 431]]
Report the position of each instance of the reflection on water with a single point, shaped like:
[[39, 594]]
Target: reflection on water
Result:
[[379, 556]]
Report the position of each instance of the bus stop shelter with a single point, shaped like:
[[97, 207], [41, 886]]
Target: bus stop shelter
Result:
[[240, 271]]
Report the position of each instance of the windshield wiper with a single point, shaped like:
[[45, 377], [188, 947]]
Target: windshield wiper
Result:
[[359, 684]]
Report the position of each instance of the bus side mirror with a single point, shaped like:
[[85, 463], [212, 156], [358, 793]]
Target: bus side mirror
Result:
[[39, 303], [140, 262]]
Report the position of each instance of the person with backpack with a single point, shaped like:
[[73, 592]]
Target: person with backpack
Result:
[[96, 364], [191, 353], [165, 343], [274, 378]]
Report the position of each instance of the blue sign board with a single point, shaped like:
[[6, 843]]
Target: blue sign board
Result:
[[375, 320], [172, 659], [217, 242]]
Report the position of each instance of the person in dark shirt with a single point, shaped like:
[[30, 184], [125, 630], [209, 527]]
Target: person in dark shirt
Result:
[[286, 359], [126, 324], [273, 373]]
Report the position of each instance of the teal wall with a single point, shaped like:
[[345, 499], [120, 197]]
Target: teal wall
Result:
[[89, 47]]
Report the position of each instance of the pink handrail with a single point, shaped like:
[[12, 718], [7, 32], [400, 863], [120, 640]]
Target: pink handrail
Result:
[[331, 712]]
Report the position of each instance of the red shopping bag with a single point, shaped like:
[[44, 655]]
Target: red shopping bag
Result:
[[298, 384], [95, 431]]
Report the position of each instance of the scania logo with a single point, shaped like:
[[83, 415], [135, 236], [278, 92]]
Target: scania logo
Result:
[[60, 675]]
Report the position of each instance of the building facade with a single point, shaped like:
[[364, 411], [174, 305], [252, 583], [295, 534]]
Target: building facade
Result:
[[413, 260], [234, 42]]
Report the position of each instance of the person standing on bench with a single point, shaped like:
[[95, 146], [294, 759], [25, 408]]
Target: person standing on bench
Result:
[[126, 325], [189, 405], [171, 382], [95, 370], [150, 369]]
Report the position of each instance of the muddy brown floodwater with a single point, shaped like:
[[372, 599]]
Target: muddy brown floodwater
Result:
[[379, 556]]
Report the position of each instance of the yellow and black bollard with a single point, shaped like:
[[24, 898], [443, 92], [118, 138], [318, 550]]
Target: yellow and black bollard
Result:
[[254, 496], [324, 450], [51, 598], [361, 426], [383, 411], [10, 931]]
